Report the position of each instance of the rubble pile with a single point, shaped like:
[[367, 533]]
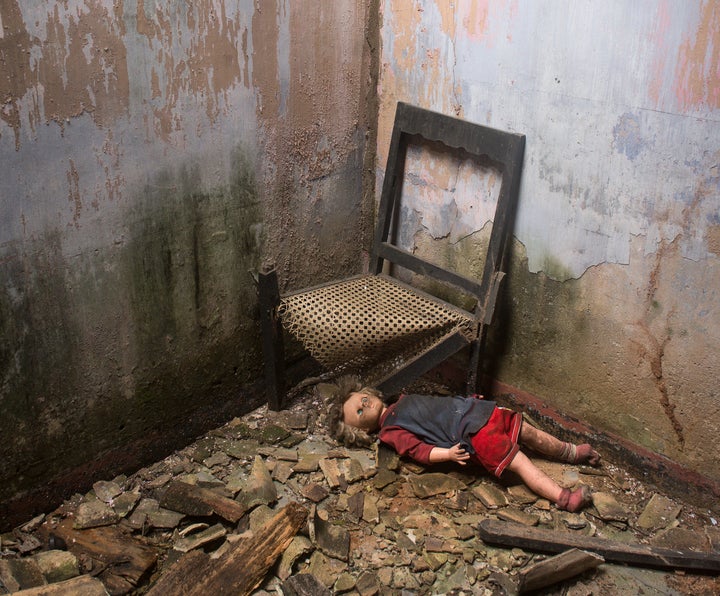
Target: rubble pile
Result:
[[270, 504]]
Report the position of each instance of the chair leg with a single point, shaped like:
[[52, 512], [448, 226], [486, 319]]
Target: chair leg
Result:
[[272, 339]]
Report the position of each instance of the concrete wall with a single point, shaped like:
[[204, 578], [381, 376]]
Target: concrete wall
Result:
[[611, 311], [154, 156]]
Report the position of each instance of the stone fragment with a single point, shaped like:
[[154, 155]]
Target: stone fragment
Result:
[[522, 495], [158, 481], [509, 514], [490, 495], [164, 518], [282, 471], [20, 574], [294, 419], [93, 514], [682, 539], [243, 450], [574, 521], [279, 453], [299, 546], [325, 568], [106, 491], [387, 459], [331, 471], [367, 584], [352, 470], [435, 544], [434, 483], [332, 540], [57, 565], [383, 478], [259, 489], [355, 505], [435, 560], [314, 492], [272, 434], [307, 463], [608, 507], [370, 512], [27, 543], [304, 584], [660, 512], [124, 503], [201, 538], [344, 583], [219, 458], [33, 524]]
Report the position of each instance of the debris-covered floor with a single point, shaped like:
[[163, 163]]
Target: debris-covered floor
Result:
[[223, 511]]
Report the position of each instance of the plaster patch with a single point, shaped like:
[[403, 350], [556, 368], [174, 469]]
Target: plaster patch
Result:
[[627, 136]]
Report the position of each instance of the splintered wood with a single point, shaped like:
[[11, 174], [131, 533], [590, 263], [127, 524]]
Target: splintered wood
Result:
[[241, 568]]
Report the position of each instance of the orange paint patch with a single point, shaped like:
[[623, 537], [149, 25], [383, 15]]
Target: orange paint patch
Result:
[[697, 83]]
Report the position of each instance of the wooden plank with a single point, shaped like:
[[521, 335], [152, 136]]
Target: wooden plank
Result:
[[122, 555], [516, 535], [82, 584], [556, 569], [196, 500], [272, 339], [241, 568]]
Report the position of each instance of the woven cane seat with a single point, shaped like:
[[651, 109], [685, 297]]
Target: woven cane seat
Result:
[[368, 319]]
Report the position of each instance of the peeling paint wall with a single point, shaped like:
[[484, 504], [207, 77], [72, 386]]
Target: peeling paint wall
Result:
[[611, 307], [154, 156]]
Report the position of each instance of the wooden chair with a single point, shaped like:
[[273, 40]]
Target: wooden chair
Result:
[[389, 330]]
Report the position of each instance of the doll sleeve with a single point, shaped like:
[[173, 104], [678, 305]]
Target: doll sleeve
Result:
[[406, 443]]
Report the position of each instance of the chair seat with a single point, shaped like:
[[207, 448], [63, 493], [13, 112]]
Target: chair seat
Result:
[[364, 320]]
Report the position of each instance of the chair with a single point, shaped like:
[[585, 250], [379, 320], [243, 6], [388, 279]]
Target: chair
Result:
[[387, 329]]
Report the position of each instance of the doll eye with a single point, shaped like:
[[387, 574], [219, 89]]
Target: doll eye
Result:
[[359, 412]]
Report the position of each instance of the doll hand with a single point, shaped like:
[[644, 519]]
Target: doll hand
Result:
[[458, 454]]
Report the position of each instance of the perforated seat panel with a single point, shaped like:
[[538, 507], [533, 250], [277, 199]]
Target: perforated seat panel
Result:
[[367, 319]]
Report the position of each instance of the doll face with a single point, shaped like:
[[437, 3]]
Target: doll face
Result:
[[363, 411]]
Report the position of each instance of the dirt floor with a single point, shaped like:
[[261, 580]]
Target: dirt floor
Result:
[[205, 518]]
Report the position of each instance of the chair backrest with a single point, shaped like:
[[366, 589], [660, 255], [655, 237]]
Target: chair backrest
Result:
[[503, 149]]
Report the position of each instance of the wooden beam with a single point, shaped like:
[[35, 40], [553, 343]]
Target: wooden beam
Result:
[[537, 539], [241, 568]]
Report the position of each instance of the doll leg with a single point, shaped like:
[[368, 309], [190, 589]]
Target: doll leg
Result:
[[541, 484], [546, 444]]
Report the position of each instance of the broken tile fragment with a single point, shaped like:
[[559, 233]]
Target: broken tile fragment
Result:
[[608, 508], [660, 512], [490, 495], [434, 483], [574, 521], [682, 539]]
